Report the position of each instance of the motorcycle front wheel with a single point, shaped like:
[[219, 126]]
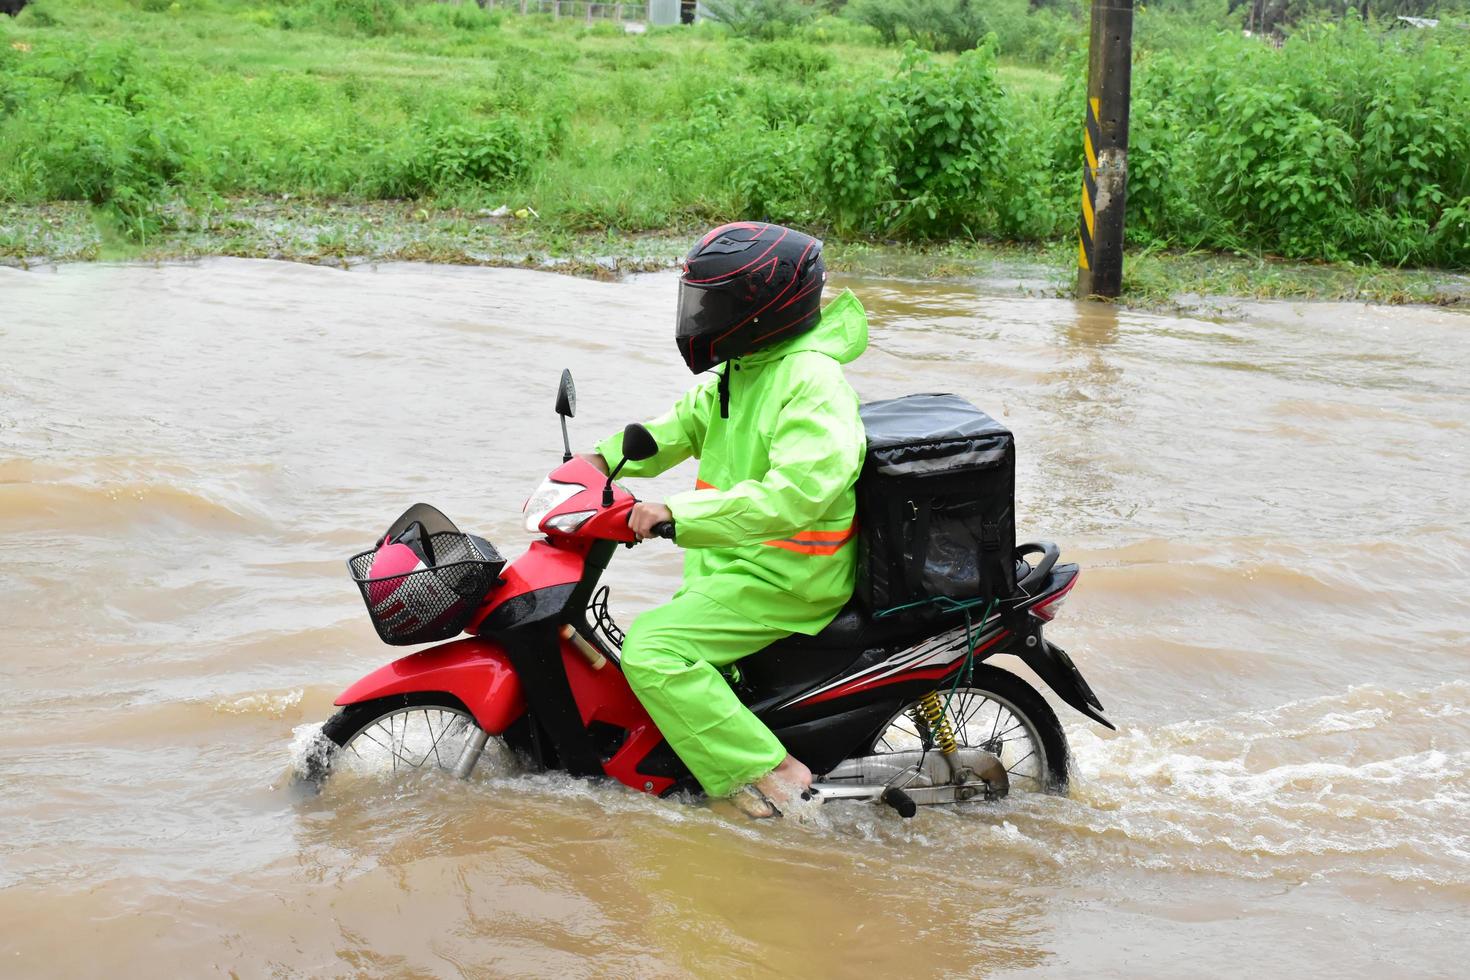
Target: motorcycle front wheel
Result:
[[402, 733], [999, 713]]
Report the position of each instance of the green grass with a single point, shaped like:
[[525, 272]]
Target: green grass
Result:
[[182, 125], [252, 99]]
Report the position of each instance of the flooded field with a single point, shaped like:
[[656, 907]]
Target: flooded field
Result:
[[1271, 512]]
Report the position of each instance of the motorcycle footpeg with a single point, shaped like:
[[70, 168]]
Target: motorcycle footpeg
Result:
[[891, 796], [902, 803]]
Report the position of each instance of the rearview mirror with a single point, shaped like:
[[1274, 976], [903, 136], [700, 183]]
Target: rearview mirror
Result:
[[566, 396], [638, 443]]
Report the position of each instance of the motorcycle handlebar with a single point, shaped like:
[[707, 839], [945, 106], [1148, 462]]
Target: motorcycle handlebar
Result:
[[664, 529]]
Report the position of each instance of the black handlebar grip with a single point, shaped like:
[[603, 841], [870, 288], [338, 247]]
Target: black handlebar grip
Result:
[[663, 529]]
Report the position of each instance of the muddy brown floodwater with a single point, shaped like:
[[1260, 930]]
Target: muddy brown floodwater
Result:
[[1271, 514]]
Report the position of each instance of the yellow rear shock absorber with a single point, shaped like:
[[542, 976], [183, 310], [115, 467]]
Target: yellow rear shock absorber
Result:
[[932, 708]]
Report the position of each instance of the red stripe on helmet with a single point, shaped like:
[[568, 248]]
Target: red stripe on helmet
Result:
[[795, 280], [751, 264], [754, 226]]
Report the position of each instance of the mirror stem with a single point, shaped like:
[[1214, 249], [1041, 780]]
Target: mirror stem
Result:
[[566, 456], [607, 496]]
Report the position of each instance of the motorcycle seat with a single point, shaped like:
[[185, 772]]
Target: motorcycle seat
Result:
[[799, 661], [855, 629]]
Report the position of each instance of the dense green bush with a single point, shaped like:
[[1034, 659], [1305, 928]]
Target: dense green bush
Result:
[[370, 17], [1036, 36], [919, 153], [448, 156], [1245, 146], [1235, 144], [761, 19], [790, 59], [939, 25], [466, 16]]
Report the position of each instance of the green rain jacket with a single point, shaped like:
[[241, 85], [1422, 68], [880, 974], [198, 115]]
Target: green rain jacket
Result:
[[770, 526]]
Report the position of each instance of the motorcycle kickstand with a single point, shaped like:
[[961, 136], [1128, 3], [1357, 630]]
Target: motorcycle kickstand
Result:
[[471, 753]]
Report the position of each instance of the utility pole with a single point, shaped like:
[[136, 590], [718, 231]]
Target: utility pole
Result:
[[1105, 145]]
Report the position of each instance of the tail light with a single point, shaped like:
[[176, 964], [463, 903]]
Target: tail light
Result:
[[1046, 610]]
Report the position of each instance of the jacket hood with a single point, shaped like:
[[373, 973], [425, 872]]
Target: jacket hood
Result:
[[841, 333]]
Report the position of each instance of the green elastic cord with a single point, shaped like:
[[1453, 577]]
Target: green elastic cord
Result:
[[945, 603], [971, 641], [941, 602]]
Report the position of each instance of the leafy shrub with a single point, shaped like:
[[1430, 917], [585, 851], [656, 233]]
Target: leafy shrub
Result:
[[37, 15], [456, 16], [938, 25], [763, 20], [919, 153], [371, 17], [1241, 146], [489, 154], [831, 29], [791, 59]]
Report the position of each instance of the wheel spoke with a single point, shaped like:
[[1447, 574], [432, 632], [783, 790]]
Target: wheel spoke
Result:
[[996, 725], [980, 703], [434, 747], [433, 739], [1003, 734], [1012, 766]]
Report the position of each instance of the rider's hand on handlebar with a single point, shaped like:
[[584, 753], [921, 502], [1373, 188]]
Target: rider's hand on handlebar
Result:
[[597, 460], [645, 515]]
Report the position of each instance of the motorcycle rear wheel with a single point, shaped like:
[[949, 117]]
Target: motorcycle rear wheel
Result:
[[402, 733], [1000, 713]]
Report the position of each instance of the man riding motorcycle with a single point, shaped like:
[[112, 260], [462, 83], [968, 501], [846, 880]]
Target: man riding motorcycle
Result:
[[769, 529]]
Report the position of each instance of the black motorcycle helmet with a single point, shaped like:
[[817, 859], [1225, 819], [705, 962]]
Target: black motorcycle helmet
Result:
[[747, 285]]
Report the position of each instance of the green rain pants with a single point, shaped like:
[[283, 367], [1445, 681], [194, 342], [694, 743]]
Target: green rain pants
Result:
[[671, 657]]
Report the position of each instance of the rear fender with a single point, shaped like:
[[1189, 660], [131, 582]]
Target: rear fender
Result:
[[474, 670], [1051, 663]]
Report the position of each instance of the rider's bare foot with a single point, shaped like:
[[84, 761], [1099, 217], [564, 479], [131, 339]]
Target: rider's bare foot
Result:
[[753, 803], [789, 781]]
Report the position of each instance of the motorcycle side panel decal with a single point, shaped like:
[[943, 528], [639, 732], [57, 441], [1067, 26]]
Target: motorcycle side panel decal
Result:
[[932, 658]]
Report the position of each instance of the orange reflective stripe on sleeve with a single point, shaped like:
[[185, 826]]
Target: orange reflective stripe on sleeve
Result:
[[701, 485], [816, 542]]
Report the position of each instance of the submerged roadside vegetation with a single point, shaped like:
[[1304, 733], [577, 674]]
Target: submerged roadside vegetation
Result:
[[185, 125]]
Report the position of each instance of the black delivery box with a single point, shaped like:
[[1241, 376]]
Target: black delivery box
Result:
[[936, 503]]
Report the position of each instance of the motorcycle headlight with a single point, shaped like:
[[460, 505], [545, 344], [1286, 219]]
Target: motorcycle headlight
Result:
[[567, 523], [547, 498]]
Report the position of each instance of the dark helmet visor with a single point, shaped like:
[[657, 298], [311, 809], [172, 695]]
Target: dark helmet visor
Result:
[[705, 313]]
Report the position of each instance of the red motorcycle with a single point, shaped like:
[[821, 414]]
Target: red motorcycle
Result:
[[898, 709]]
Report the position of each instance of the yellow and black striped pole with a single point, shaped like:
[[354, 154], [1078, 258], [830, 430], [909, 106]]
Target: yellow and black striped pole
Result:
[[1105, 148]]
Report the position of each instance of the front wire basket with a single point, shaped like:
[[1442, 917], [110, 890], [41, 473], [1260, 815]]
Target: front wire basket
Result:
[[429, 604]]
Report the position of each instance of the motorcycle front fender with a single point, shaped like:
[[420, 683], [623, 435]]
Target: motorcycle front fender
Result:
[[476, 671]]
